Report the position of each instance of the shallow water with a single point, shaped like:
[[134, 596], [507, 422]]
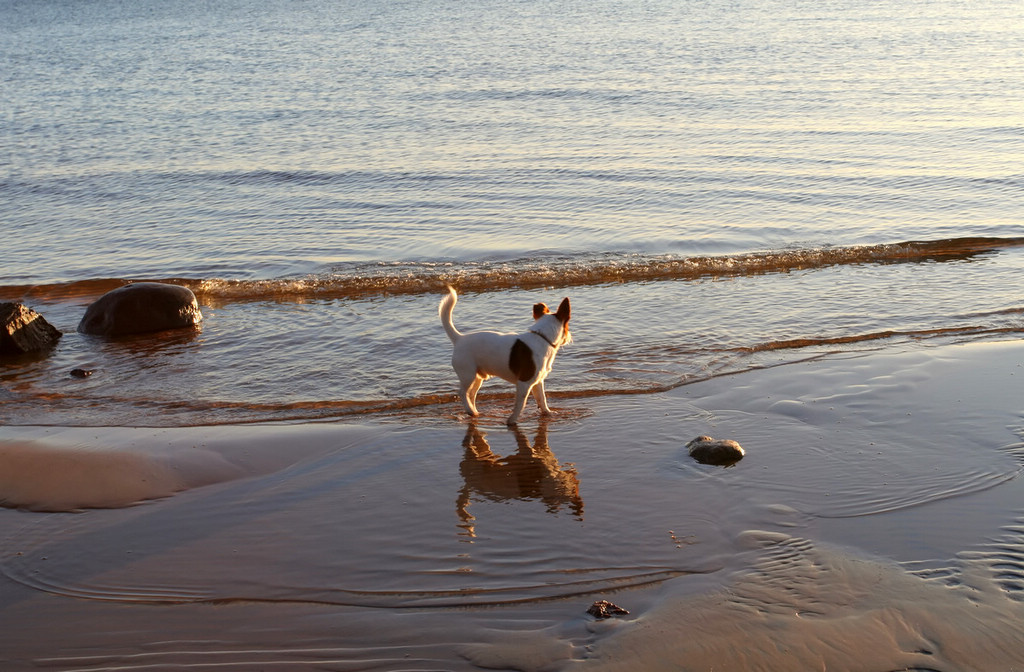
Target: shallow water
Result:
[[317, 350]]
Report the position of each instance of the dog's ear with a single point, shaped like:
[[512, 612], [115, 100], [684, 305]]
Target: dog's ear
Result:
[[563, 310], [540, 309]]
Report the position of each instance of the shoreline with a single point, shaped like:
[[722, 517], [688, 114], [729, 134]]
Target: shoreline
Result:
[[462, 546]]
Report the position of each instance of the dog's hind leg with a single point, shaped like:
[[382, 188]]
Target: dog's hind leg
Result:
[[470, 380], [469, 394]]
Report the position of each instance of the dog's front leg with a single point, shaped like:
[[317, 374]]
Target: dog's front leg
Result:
[[541, 397], [522, 392]]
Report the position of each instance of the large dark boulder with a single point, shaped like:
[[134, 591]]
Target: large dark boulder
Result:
[[141, 307], [24, 330]]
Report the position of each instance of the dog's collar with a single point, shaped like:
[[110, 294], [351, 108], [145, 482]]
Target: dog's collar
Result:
[[544, 337]]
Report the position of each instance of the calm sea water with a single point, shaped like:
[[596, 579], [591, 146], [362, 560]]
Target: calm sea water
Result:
[[718, 185]]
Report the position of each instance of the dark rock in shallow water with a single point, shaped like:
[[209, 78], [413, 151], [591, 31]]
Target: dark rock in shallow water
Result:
[[24, 330], [719, 452], [141, 307]]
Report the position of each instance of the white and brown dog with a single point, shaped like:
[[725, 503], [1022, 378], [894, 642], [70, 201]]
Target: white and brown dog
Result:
[[522, 359]]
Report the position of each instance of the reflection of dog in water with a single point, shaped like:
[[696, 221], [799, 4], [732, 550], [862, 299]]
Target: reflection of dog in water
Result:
[[531, 473]]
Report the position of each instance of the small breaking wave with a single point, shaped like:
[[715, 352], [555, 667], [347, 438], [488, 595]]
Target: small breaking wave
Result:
[[356, 281]]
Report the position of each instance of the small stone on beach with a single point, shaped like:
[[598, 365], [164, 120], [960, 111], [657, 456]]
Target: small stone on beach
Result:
[[718, 452], [604, 609]]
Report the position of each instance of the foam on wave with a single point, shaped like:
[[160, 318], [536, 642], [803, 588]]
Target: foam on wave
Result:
[[409, 278]]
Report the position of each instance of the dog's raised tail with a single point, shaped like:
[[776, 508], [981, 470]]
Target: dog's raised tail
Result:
[[445, 311]]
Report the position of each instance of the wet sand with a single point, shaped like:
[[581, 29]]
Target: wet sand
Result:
[[876, 522]]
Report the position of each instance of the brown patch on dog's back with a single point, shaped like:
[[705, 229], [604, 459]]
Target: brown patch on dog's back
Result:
[[520, 361]]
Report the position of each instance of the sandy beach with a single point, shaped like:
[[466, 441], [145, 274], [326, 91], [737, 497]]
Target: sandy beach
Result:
[[874, 524]]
